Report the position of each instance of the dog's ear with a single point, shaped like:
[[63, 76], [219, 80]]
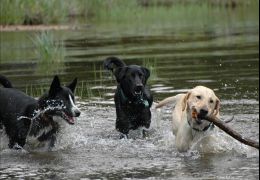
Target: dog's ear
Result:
[[184, 102], [112, 63], [55, 86], [217, 107], [120, 73], [146, 73], [73, 84]]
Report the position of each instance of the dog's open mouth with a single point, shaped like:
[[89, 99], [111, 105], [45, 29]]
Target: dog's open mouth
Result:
[[194, 114], [138, 93], [68, 118], [197, 117]]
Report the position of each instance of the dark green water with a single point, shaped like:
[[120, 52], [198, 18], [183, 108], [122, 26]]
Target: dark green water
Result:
[[220, 53]]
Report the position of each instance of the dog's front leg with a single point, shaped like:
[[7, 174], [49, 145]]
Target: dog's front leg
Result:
[[123, 125], [123, 136], [145, 133], [52, 142], [183, 138], [49, 136]]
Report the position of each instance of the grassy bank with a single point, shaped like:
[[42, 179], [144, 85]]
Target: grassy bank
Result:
[[33, 12]]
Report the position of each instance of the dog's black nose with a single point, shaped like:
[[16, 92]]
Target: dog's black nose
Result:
[[77, 113], [203, 112]]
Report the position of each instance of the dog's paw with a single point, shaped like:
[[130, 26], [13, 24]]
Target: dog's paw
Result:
[[17, 147], [123, 136], [145, 133]]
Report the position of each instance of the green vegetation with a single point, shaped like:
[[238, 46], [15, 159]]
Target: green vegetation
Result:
[[50, 53], [47, 49], [62, 11], [33, 11], [84, 90], [131, 28], [151, 64], [35, 91], [95, 87]]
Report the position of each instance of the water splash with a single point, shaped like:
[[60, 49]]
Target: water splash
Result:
[[52, 105]]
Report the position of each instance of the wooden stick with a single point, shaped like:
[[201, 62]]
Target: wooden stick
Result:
[[223, 126]]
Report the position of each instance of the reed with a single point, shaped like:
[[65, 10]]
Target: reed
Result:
[[30, 12], [151, 64], [35, 91], [10, 12], [84, 90], [49, 52]]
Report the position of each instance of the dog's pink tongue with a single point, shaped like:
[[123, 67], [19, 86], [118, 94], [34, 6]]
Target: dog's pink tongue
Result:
[[71, 120]]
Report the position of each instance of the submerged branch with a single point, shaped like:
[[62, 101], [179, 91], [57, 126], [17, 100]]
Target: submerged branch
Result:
[[222, 125]]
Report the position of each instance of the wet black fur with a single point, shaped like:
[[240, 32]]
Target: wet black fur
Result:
[[15, 104], [133, 111]]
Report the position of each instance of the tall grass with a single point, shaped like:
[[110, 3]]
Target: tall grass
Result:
[[49, 52], [84, 90], [33, 11], [35, 91], [151, 64], [59, 11], [10, 12]]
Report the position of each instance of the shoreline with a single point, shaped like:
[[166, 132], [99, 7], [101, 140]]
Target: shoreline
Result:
[[12, 28]]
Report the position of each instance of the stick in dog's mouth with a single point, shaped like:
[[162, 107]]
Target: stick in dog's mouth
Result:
[[222, 125]]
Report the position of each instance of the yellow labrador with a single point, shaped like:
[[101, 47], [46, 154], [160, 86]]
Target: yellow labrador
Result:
[[188, 114]]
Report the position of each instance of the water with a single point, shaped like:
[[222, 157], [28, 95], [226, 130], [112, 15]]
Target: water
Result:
[[223, 56]]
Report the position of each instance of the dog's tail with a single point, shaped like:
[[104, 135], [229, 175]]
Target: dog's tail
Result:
[[167, 101], [113, 62], [5, 82]]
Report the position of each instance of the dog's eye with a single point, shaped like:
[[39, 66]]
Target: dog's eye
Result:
[[198, 97], [211, 101]]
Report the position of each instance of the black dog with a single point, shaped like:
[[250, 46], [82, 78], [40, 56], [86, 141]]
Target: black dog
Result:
[[132, 97], [23, 116]]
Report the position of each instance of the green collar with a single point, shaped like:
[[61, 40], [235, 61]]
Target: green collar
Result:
[[125, 99]]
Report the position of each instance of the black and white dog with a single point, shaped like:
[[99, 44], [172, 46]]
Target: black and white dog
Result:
[[132, 98], [23, 116]]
